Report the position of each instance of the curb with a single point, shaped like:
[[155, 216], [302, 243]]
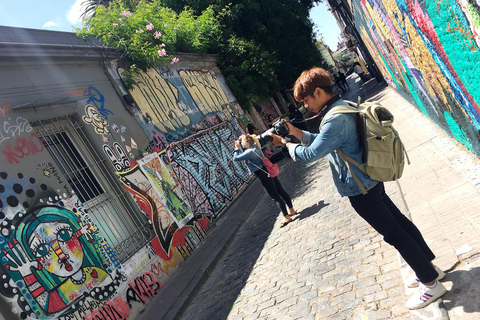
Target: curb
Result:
[[437, 309]]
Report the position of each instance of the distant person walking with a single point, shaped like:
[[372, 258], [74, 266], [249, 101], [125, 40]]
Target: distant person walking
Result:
[[359, 71], [343, 80]]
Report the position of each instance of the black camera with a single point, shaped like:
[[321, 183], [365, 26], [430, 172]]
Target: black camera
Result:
[[279, 127]]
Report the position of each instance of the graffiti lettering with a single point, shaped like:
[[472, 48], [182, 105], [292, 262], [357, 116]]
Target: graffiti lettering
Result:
[[22, 148], [87, 307], [205, 169], [21, 125], [142, 288], [205, 90], [115, 309], [95, 98]]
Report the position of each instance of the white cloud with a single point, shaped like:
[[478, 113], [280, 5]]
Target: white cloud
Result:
[[49, 24], [74, 15]]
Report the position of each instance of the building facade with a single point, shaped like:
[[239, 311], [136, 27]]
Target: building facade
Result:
[[105, 191]]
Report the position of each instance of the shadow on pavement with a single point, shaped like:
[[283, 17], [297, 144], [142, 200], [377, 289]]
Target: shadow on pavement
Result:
[[463, 295], [307, 212]]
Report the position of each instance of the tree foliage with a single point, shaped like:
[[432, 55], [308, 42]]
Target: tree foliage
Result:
[[149, 34], [262, 45]]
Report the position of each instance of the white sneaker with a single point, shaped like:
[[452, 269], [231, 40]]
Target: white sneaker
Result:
[[425, 295], [413, 282]]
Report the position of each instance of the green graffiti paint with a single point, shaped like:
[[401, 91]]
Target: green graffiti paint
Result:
[[457, 132], [392, 75], [413, 91], [457, 39]]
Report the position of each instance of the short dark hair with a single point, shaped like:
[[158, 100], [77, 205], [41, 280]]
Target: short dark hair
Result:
[[311, 79]]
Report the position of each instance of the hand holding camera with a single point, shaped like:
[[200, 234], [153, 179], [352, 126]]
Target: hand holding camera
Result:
[[237, 144]]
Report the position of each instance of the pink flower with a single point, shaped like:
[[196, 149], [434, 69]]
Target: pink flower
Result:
[[157, 34], [175, 28], [174, 60], [149, 27], [139, 31], [115, 24], [121, 20], [127, 13], [162, 45], [162, 52], [165, 25]]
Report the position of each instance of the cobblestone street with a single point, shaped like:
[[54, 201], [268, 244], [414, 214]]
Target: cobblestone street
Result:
[[328, 263]]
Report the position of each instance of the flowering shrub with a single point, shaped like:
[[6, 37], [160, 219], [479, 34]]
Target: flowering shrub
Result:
[[149, 34]]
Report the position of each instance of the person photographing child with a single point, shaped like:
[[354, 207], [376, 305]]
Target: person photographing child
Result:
[[367, 196], [253, 157]]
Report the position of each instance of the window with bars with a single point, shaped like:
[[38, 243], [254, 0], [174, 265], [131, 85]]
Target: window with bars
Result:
[[110, 206]]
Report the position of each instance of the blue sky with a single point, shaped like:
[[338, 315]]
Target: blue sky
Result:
[[64, 15], [57, 15]]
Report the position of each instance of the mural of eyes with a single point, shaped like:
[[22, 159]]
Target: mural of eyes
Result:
[[64, 234], [41, 250]]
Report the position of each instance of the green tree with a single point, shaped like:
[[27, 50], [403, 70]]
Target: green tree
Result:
[[280, 27], [149, 34], [262, 45]]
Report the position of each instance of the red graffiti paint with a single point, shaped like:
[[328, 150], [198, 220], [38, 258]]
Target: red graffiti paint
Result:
[[5, 108], [115, 309], [22, 148]]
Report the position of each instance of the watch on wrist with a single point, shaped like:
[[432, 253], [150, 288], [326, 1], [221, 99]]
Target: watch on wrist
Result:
[[285, 144]]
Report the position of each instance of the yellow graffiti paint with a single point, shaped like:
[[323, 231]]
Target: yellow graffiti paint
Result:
[[205, 90], [159, 101]]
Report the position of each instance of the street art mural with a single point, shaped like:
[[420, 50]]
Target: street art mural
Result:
[[185, 230], [204, 167], [173, 104], [56, 261], [429, 52], [53, 257], [168, 190]]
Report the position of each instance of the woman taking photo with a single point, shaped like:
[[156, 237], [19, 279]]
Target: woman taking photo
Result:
[[252, 155]]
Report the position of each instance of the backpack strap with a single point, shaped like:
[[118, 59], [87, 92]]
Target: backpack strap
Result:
[[347, 161], [268, 174], [339, 109], [350, 108]]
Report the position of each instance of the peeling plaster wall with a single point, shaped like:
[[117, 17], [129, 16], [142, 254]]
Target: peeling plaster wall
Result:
[[429, 52]]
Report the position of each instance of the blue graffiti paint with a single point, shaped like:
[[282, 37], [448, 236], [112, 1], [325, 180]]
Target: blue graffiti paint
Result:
[[98, 100]]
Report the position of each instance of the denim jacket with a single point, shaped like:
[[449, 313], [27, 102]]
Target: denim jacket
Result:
[[251, 155], [339, 131]]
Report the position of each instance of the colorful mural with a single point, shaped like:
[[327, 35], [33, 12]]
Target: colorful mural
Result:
[[108, 205], [53, 254], [428, 51]]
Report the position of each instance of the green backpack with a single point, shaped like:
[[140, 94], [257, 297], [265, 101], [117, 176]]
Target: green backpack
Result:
[[383, 155]]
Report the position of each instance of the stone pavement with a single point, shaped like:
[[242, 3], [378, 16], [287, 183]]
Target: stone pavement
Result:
[[328, 263]]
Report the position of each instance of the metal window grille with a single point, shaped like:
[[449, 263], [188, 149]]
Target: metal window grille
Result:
[[110, 206]]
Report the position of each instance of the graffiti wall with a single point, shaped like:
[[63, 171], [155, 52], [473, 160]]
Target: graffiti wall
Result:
[[102, 201], [428, 51], [190, 113]]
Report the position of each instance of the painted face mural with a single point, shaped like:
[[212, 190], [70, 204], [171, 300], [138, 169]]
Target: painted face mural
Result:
[[54, 262], [58, 249]]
